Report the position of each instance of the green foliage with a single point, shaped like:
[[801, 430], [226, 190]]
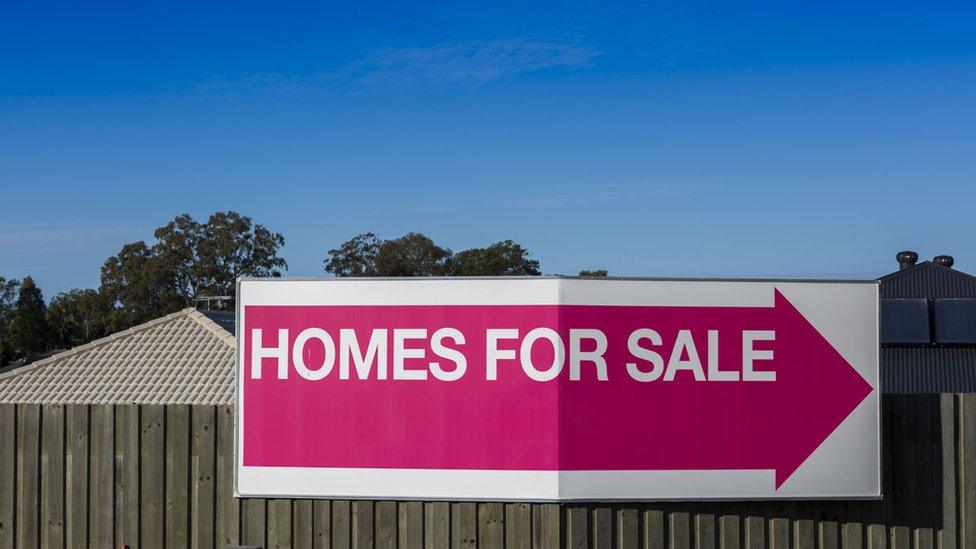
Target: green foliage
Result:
[[595, 273], [78, 316], [8, 297], [29, 332], [504, 258], [355, 257], [188, 260], [137, 286], [415, 254]]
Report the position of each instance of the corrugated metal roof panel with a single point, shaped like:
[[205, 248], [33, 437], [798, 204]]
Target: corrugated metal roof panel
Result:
[[928, 370], [928, 280]]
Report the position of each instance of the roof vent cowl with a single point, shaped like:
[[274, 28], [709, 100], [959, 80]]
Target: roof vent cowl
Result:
[[906, 259], [944, 260]]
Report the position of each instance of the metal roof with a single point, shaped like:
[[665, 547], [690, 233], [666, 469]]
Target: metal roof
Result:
[[928, 330], [928, 370], [225, 319], [928, 280], [182, 358]]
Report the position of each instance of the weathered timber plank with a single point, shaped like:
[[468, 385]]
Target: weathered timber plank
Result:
[[464, 525], [228, 507], [101, 486], [385, 517], [437, 525], [362, 524], [411, 527], [177, 476], [202, 481], [152, 509], [52, 476], [127, 475]]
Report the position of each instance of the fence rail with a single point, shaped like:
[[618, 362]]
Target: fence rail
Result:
[[162, 476]]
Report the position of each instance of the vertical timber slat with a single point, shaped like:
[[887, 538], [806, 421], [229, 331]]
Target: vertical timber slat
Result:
[[127, 475], [577, 526], [76, 471], [101, 487], [202, 477], [967, 470], [628, 528], [385, 519], [679, 525], [177, 476], [437, 525], [705, 537], [602, 528], [302, 524], [152, 485], [279, 523], [322, 524], [545, 526], [362, 524], [655, 529], [411, 531], [518, 526], [464, 525], [228, 507], [8, 461], [52, 476], [728, 531], [947, 535], [28, 474], [755, 532], [253, 520], [341, 528], [491, 526]]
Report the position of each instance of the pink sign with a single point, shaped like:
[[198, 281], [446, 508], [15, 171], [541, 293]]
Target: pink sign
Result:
[[539, 387]]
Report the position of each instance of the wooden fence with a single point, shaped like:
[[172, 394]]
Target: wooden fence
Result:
[[155, 476]]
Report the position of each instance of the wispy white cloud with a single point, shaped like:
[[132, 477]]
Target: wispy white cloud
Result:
[[36, 239], [470, 63]]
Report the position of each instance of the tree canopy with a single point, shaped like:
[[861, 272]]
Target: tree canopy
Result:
[[78, 316], [594, 273], [415, 254], [504, 258], [28, 332], [8, 298], [188, 260]]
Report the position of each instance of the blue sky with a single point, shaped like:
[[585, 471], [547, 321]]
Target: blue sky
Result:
[[664, 139]]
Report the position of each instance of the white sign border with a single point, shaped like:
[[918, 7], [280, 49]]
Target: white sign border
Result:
[[558, 486]]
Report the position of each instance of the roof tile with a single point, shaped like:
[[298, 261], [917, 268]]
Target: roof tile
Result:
[[182, 358]]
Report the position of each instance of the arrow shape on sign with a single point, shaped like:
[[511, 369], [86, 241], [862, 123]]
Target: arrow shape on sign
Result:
[[687, 424]]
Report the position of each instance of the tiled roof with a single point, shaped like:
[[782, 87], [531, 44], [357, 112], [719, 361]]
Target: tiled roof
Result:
[[182, 358]]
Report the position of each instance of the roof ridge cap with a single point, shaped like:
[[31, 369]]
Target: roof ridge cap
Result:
[[903, 272]]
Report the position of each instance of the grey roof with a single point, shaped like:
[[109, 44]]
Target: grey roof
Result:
[[224, 319], [182, 358], [928, 280], [928, 319], [928, 370]]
